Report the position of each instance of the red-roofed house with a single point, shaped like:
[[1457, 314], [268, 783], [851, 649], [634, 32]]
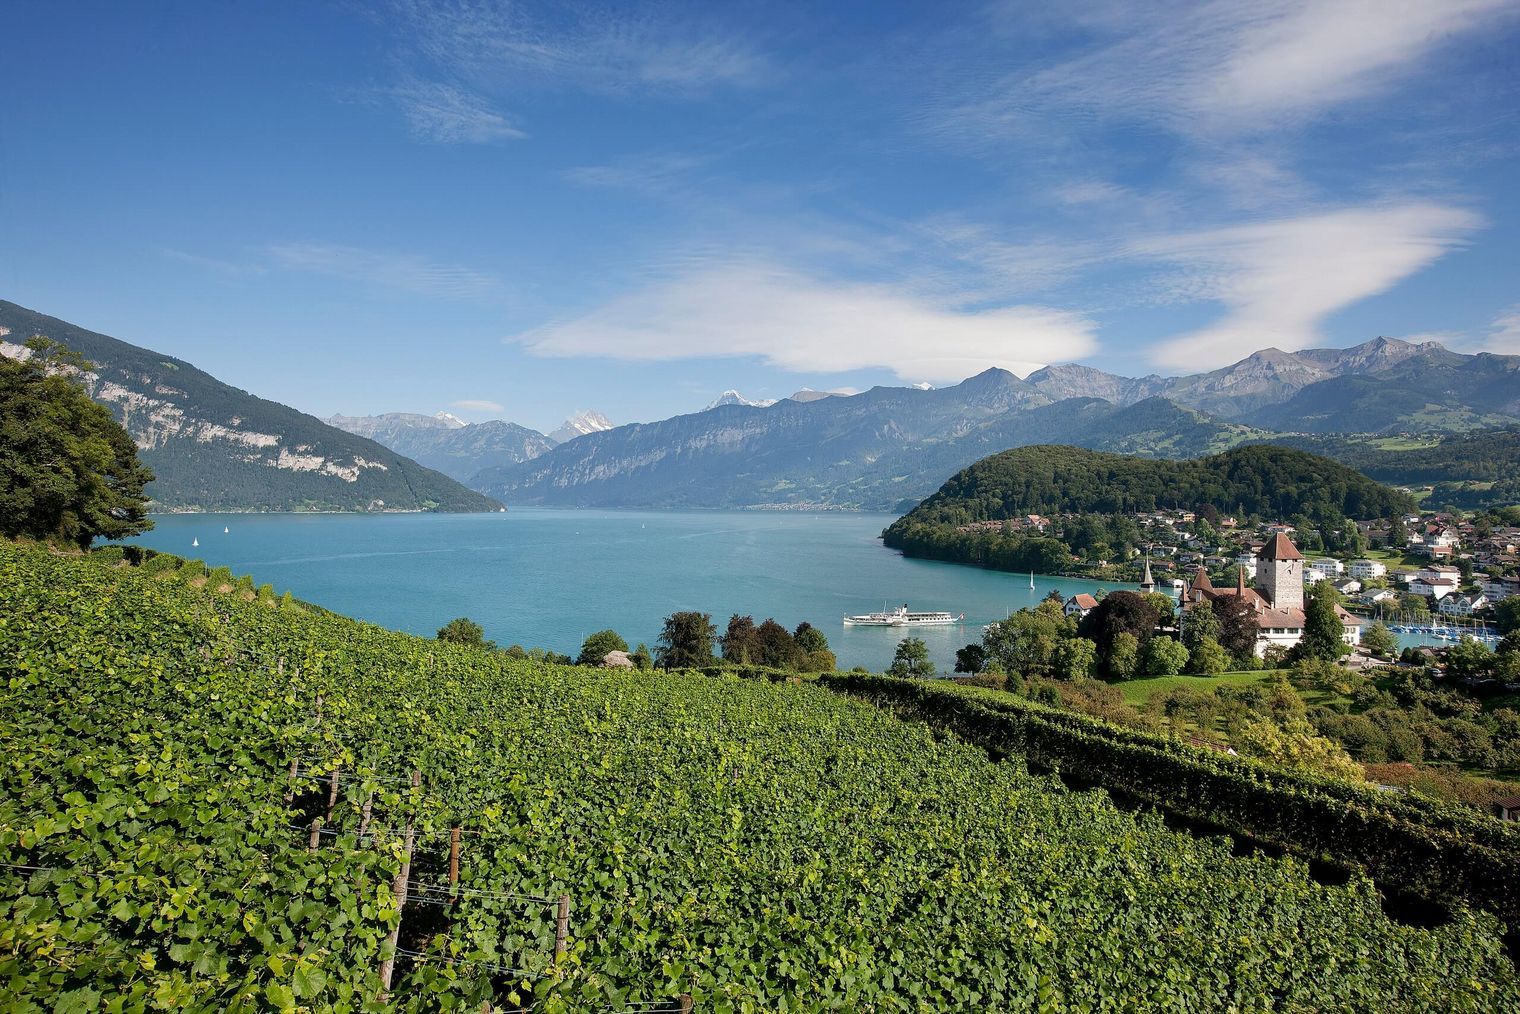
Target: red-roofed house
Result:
[[1080, 605]]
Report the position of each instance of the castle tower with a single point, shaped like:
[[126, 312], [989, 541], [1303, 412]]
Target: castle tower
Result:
[[1280, 573]]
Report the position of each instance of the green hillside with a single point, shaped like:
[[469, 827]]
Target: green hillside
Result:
[[757, 846], [214, 447]]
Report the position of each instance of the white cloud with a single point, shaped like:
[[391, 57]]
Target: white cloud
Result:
[[806, 325], [1089, 192], [1224, 66], [449, 115], [1278, 280], [477, 405], [385, 270], [1504, 333]]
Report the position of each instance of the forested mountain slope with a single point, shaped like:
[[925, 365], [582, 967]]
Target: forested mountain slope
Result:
[[215, 447], [209, 797], [1260, 480]]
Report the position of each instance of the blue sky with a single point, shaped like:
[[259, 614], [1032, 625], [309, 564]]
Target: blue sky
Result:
[[521, 210]]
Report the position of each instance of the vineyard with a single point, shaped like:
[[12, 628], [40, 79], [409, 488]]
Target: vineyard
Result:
[[214, 800]]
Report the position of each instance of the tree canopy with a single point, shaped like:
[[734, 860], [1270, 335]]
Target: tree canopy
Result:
[[68, 471], [596, 647], [687, 640]]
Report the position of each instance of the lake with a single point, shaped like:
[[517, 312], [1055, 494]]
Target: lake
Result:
[[547, 578]]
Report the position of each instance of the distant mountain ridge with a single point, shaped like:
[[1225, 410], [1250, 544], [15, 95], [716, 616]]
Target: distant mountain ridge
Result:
[[877, 449], [889, 446], [1382, 385], [215, 447], [452, 446]]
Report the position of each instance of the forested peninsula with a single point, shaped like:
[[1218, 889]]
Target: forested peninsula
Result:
[[996, 512]]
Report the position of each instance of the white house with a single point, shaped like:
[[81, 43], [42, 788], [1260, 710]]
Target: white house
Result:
[[1439, 572], [1350, 586], [1248, 561], [1326, 569], [1080, 605], [1367, 570], [1462, 605], [1372, 598], [1497, 589], [1433, 588]]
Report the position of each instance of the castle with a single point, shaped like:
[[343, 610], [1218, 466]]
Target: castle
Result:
[[1277, 600]]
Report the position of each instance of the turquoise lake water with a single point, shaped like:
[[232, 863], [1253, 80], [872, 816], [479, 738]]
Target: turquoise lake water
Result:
[[548, 578]]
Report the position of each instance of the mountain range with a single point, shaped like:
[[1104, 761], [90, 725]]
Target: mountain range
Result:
[[214, 447], [889, 447], [456, 448]]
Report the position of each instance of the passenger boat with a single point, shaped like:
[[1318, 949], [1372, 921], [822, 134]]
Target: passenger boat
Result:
[[901, 617]]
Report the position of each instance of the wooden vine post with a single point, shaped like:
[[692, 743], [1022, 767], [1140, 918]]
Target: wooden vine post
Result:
[[399, 888], [454, 864], [685, 1001], [290, 786], [561, 927], [332, 793]]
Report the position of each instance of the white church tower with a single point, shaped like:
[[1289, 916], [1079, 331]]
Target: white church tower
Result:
[[1280, 573]]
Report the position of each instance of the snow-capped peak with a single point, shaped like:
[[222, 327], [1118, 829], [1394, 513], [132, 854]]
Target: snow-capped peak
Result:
[[732, 397], [579, 424], [450, 420], [924, 385]]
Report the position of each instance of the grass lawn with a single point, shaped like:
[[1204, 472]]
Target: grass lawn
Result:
[[1137, 692]]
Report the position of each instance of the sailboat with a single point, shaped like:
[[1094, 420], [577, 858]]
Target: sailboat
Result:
[[195, 542], [226, 530], [1031, 580]]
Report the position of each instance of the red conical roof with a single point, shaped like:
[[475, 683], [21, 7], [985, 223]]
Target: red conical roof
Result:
[[1280, 548]]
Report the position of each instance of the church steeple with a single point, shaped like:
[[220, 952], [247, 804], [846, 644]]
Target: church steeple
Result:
[[1147, 583]]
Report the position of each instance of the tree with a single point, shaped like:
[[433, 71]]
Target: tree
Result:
[[464, 630], [1469, 658], [68, 471], [1164, 657], [641, 658], [1323, 630], [1380, 641], [778, 649], [1076, 658], [1200, 623], [1398, 533], [1120, 612], [686, 641], [1124, 656], [1296, 744], [1208, 658], [596, 647], [741, 642], [970, 659], [1026, 641], [911, 659], [1507, 615], [1238, 629], [816, 647]]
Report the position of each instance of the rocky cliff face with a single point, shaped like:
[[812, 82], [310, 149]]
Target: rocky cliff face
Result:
[[214, 447]]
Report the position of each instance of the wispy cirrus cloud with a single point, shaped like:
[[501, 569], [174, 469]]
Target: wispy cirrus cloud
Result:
[[1504, 333], [383, 269], [1224, 66], [450, 115], [477, 405], [1280, 279], [804, 323], [597, 47]]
